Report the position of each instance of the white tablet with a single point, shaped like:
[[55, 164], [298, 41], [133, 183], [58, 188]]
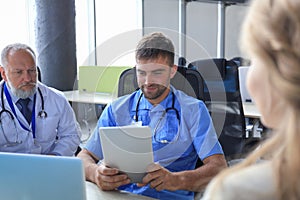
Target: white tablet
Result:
[[128, 148]]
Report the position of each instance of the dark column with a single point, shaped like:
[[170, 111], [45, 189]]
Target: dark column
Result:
[[55, 42]]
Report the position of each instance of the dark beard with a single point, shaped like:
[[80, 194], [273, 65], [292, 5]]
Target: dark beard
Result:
[[160, 91]]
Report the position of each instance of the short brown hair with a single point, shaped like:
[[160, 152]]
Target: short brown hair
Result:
[[153, 46]]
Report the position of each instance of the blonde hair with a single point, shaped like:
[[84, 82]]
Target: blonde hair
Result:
[[271, 32]]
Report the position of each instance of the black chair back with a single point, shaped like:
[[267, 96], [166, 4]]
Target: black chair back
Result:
[[223, 100], [186, 80]]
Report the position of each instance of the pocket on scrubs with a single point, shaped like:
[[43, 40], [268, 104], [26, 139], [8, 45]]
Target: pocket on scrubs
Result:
[[167, 129]]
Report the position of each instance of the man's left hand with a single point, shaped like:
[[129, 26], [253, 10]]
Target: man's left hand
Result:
[[160, 178]]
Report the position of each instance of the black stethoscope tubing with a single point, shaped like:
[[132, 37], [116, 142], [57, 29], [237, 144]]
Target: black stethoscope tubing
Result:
[[42, 113], [166, 110]]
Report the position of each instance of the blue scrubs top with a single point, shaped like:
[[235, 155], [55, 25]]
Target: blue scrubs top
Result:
[[187, 138]]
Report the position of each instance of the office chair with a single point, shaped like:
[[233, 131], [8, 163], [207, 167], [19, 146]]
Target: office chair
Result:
[[39, 74], [127, 82], [223, 100], [186, 80]]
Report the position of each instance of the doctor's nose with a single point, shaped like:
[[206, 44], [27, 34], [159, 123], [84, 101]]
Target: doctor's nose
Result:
[[148, 79], [28, 75]]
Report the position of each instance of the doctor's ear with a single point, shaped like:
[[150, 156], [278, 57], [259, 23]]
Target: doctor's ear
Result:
[[173, 70], [2, 71]]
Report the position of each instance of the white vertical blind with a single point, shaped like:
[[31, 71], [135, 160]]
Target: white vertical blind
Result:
[[119, 23], [16, 23], [113, 18]]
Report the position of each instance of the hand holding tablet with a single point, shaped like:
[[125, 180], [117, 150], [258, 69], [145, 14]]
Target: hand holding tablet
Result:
[[127, 148]]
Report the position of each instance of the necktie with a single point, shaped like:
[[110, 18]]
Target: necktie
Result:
[[24, 109]]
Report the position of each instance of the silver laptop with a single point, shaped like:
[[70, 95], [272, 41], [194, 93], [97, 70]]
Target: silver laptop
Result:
[[38, 177], [128, 148]]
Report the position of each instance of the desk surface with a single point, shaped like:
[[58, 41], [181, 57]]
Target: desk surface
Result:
[[94, 193], [104, 98], [250, 110], [89, 97]]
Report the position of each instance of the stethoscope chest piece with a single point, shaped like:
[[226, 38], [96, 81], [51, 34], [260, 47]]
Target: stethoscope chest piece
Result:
[[42, 114]]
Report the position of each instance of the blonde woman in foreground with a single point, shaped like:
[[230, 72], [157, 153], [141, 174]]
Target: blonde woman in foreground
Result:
[[271, 38]]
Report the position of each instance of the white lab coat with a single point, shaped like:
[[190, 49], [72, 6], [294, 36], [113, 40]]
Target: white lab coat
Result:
[[58, 133]]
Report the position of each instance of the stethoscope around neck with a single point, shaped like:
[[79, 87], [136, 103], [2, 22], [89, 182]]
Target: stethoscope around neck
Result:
[[166, 110], [41, 114], [163, 141]]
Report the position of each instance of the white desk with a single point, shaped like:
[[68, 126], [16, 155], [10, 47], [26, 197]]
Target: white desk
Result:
[[104, 98], [250, 110], [94, 193], [89, 97]]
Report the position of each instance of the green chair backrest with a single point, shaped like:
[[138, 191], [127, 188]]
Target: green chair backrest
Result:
[[102, 79]]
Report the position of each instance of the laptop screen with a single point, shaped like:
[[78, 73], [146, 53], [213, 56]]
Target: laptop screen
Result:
[[36, 177]]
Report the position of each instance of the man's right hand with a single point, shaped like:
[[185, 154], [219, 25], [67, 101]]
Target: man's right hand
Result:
[[109, 178], [106, 178]]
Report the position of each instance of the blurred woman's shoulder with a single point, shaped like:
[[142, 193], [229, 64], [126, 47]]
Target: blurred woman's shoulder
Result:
[[253, 182]]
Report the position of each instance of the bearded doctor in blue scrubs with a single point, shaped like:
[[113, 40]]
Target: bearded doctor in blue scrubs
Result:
[[181, 126], [34, 118]]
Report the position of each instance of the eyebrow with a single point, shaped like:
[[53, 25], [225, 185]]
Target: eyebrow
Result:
[[156, 70], [18, 68]]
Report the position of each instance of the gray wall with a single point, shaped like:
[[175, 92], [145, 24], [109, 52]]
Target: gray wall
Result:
[[235, 15], [201, 26]]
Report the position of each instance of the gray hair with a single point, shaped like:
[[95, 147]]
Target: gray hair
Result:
[[12, 48]]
